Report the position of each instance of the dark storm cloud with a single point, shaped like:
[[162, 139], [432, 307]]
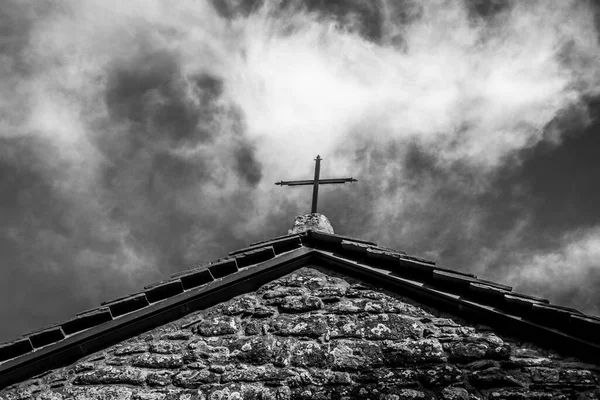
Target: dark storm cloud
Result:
[[149, 91], [150, 141]]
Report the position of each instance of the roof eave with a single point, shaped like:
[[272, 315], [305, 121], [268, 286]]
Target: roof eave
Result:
[[96, 338]]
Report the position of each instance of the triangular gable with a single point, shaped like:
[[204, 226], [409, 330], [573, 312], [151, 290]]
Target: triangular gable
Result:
[[247, 269]]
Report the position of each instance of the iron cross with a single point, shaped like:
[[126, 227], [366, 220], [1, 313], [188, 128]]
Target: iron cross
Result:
[[316, 182]]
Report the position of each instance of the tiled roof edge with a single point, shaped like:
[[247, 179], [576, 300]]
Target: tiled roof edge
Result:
[[114, 309], [454, 290], [93, 329]]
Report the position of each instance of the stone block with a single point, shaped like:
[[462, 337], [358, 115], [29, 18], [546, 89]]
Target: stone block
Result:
[[132, 348], [299, 304], [111, 376], [440, 375], [493, 377], [216, 326], [165, 347], [411, 352], [313, 325], [196, 378], [158, 360]]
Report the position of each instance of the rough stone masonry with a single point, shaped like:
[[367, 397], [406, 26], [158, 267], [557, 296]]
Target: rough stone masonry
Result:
[[313, 335]]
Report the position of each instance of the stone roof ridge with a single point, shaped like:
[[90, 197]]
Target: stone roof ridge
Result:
[[211, 282]]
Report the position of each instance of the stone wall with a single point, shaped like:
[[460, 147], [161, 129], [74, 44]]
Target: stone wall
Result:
[[316, 335]]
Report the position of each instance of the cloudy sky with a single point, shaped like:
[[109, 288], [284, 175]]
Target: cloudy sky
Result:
[[139, 138]]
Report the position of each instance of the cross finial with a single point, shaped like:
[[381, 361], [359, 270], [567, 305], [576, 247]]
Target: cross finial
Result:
[[316, 182]]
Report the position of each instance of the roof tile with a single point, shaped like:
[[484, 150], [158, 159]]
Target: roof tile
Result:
[[255, 256], [265, 242], [383, 256], [163, 290], [46, 336], [15, 348], [223, 268], [87, 320], [335, 240], [419, 259], [280, 245], [487, 293], [461, 281], [195, 277], [519, 304], [355, 246], [127, 304], [452, 278], [550, 315], [585, 327]]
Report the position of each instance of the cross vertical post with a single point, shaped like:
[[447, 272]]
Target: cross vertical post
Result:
[[316, 182], [315, 197]]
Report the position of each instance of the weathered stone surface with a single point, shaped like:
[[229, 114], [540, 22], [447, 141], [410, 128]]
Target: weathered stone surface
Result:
[[493, 377], [267, 374], [508, 394], [159, 378], [578, 377], [348, 355], [464, 352], [455, 393], [203, 351], [362, 305], [315, 221], [544, 375], [195, 378], [216, 326], [403, 352], [282, 292], [330, 293], [112, 375], [355, 292], [399, 377], [135, 347], [244, 305], [252, 328], [312, 325], [158, 360], [374, 327], [165, 347], [257, 350], [440, 375], [298, 304]]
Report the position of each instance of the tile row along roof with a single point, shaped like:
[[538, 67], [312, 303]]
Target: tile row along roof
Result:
[[203, 285]]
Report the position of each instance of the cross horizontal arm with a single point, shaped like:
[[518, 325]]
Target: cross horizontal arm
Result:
[[312, 182]]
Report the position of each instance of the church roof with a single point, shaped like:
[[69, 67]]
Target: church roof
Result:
[[247, 269]]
